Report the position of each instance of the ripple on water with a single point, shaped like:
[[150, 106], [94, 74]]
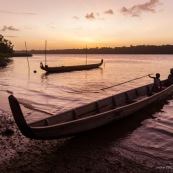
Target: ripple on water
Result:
[[153, 139], [149, 142]]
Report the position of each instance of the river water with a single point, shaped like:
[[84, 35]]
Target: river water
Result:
[[146, 136]]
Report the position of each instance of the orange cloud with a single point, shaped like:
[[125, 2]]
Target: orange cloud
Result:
[[136, 10]]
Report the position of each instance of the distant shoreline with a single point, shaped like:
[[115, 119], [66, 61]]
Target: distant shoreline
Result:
[[10, 55], [140, 49]]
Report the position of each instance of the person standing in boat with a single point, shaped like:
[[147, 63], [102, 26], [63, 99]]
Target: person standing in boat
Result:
[[157, 84], [170, 78]]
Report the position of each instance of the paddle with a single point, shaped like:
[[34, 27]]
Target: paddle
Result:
[[125, 82]]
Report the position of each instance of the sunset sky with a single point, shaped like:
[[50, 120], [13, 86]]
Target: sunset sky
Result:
[[77, 23]]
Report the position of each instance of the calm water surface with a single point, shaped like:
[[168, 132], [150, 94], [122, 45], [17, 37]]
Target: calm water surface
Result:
[[47, 95]]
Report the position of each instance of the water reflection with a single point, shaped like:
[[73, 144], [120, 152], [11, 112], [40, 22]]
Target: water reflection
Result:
[[116, 69], [107, 143], [144, 135], [119, 130]]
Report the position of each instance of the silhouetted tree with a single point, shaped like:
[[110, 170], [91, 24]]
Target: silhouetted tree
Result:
[[5, 45]]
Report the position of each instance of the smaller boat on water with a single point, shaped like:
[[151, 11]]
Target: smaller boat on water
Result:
[[61, 69], [89, 116]]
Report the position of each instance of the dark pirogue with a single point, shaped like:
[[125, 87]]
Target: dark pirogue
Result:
[[70, 68]]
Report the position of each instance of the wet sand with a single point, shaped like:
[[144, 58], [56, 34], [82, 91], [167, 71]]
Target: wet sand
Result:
[[83, 153], [97, 151]]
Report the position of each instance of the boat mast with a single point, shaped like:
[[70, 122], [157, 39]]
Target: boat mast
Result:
[[27, 57], [86, 54], [45, 52]]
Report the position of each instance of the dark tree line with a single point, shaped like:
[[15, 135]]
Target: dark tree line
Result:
[[6, 46], [140, 49], [145, 49]]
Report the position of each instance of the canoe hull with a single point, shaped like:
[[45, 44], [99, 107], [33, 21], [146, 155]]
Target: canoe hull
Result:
[[45, 129], [78, 126]]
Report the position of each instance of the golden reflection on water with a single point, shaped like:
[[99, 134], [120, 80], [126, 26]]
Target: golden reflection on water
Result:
[[71, 89]]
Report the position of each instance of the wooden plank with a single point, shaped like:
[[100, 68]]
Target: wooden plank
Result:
[[120, 99], [75, 116], [98, 107], [114, 103], [106, 104], [86, 110]]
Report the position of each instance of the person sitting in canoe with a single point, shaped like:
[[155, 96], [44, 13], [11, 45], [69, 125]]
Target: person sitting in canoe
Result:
[[157, 84], [170, 78], [41, 65]]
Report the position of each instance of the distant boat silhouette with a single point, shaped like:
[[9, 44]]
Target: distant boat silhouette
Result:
[[61, 69]]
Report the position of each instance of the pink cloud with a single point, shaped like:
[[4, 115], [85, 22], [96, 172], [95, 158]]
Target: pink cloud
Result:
[[10, 36], [109, 12], [75, 17], [90, 16], [136, 10], [11, 28], [12, 12]]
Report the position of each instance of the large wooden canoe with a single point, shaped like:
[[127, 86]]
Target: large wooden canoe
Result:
[[88, 116], [70, 68]]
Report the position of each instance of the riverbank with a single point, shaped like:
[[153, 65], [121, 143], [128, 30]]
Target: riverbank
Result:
[[4, 61], [15, 54], [5, 58], [78, 155], [90, 152]]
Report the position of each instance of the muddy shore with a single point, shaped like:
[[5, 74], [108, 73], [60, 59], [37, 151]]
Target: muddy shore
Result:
[[97, 151], [76, 154]]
